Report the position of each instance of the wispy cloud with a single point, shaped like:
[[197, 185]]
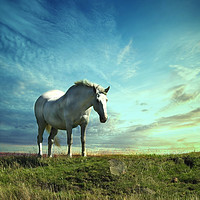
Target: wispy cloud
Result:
[[180, 96], [126, 62], [124, 52], [126, 71], [189, 119], [186, 73]]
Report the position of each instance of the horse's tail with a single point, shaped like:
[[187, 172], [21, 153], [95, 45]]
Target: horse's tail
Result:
[[56, 139]]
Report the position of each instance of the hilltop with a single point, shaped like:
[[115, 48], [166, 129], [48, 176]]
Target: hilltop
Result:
[[101, 177]]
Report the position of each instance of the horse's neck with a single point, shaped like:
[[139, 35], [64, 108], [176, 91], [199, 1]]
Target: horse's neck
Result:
[[82, 97]]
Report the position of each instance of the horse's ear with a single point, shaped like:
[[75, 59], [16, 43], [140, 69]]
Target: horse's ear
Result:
[[107, 89], [94, 89]]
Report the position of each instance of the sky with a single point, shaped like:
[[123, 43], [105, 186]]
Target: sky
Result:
[[147, 51]]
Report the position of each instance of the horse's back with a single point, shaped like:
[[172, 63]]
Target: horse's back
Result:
[[52, 95]]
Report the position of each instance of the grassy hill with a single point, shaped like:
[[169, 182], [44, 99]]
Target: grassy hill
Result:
[[101, 177]]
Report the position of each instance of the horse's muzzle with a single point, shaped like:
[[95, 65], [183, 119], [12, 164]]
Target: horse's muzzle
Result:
[[103, 119]]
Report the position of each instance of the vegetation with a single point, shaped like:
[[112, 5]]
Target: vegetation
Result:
[[101, 177]]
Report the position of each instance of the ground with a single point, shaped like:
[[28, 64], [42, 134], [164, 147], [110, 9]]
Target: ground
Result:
[[101, 177]]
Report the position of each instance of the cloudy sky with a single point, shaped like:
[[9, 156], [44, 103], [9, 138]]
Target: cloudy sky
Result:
[[148, 52]]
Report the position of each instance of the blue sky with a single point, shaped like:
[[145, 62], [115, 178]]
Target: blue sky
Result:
[[147, 51]]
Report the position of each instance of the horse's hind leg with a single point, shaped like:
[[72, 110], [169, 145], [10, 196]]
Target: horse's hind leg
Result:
[[41, 128], [51, 140]]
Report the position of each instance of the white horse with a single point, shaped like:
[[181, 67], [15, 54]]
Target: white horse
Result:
[[66, 111]]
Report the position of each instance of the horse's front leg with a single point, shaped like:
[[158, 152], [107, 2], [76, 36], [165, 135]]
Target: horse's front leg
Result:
[[83, 138], [69, 141]]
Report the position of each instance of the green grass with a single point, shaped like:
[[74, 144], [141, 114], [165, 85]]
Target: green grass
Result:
[[143, 177]]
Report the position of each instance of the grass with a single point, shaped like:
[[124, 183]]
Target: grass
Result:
[[134, 177]]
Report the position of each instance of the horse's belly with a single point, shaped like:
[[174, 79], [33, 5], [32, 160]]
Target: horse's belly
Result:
[[53, 118], [56, 123]]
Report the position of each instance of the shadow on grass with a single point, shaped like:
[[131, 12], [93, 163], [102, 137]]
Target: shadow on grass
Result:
[[21, 161]]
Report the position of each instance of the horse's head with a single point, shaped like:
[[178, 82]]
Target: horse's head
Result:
[[99, 103]]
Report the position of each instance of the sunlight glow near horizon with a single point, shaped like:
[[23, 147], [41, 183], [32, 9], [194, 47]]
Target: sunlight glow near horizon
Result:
[[147, 51]]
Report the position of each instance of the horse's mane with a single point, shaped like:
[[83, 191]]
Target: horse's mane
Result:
[[90, 84]]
